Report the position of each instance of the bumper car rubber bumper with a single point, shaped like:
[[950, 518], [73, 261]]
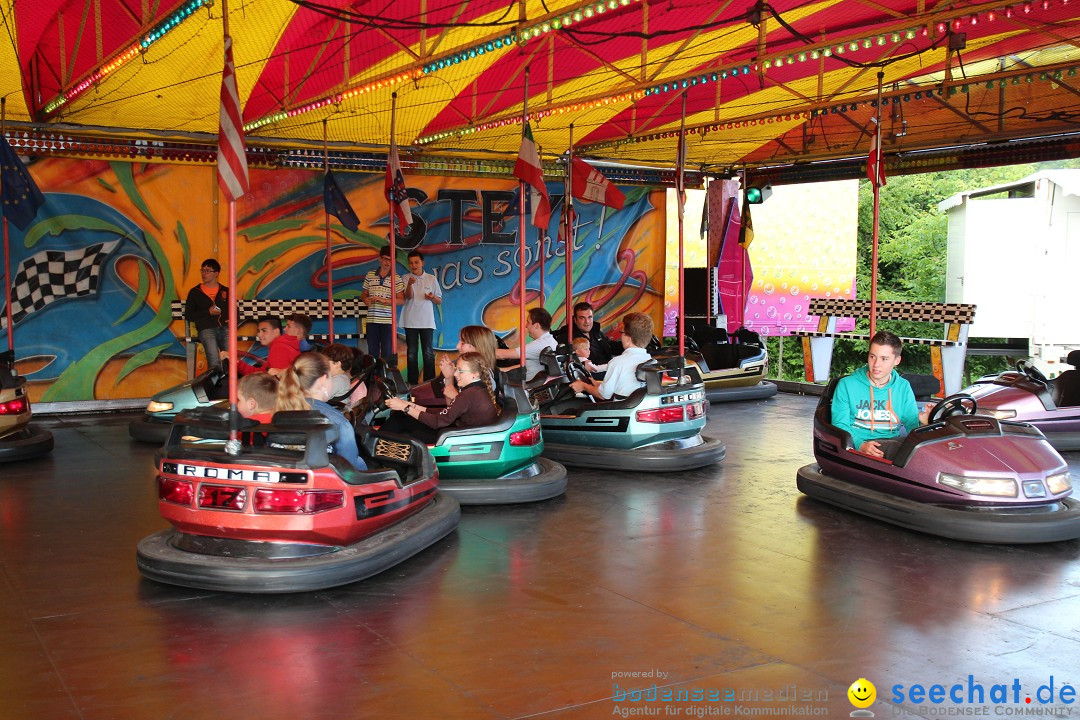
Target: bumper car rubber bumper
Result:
[[149, 431], [762, 390], [159, 559], [30, 442], [543, 480], [998, 526], [670, 456]]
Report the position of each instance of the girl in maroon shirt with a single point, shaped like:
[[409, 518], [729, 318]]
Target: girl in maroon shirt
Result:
[[474, 405]]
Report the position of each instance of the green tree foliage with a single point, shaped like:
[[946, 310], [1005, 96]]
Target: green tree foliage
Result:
[[912, 258]]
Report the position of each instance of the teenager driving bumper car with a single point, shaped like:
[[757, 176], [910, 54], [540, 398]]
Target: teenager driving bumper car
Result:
[[646, 416], [281, 347], [960, 475], [492, 460]]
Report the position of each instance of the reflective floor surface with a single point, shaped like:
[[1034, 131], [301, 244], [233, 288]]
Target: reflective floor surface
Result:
[[715, 592]]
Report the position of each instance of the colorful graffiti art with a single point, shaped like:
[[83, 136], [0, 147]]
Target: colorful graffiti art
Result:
[[137, 233]]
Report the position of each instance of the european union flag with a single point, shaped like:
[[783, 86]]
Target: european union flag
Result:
[[337, 204], [22, 198], [513, 208]]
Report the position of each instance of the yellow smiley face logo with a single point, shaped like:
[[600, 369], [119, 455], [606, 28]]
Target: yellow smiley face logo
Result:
[[862, 693]]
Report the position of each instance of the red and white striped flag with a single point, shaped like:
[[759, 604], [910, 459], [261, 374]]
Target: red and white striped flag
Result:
[[231, 157], [529, 170]]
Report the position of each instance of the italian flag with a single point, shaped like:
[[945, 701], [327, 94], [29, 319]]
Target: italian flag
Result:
[[529, 170]]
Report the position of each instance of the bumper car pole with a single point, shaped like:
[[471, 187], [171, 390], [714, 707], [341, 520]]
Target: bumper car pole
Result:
[[877, 178], [233, 446], [233, 179], [521, 234], [568, 235], [7, 244], [326, 223], [680, 182]]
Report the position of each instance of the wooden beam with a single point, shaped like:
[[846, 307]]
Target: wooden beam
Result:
[[614, 68], [677, 52], [314, 64], [442, 36]]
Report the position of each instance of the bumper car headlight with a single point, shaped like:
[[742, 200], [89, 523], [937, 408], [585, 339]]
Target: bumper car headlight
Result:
[[1001, 414], [987, 486], [155, 407], [1059, 483]]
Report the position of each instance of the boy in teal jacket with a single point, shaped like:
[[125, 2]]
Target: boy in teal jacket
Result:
[[873, 402]]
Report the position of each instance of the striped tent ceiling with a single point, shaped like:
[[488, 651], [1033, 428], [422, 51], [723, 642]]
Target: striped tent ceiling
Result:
[[763, 84]]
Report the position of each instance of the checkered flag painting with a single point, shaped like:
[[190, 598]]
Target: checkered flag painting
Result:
[[54, 275]]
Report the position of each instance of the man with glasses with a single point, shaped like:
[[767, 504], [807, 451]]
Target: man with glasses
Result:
[[206, 307], [621, 377], [585, 325]]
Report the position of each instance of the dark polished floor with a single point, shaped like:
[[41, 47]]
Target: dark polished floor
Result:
[[724, 578]]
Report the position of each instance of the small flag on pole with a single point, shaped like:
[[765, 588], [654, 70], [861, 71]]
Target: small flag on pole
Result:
[[231, 157], [529, 170], [22, 198], [875, 166], [588, 183], [680, 170], [704, 230], [395, 189], [746, 234], [337, 204]]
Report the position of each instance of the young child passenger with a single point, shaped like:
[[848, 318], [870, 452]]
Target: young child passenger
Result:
[[583, 349], [256, 395], [341, 360], [621, 378]]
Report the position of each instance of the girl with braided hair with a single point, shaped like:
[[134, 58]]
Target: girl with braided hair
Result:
[[474, 405], [305, 385]]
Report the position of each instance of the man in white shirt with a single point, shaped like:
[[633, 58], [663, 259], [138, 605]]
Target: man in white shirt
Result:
[[621, 377], [422, 294], [538, 326]]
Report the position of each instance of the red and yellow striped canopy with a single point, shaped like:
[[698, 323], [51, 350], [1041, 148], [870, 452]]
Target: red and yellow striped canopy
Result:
[[778, 82]]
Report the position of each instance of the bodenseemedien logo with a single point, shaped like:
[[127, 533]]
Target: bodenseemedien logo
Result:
[[862, 694]]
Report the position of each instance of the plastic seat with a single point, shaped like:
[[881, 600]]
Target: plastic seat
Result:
[[1066, 389]]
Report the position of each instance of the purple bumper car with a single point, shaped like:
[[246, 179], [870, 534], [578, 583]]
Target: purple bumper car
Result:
[[1025, 394], [962, 476]]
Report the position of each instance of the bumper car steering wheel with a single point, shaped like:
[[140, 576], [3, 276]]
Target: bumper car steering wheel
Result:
[[576, 371], [959, 404], [1032, 372]]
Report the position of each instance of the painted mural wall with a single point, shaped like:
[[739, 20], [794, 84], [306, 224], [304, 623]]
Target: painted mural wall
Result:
[[115, 243]]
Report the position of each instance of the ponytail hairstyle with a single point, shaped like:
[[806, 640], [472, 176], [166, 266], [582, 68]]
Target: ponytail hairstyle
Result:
[[483, 340], [474, 361], [298, 379]]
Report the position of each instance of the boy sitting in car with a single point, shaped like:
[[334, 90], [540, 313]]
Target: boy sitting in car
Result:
[[621, 379], [875, 402]]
